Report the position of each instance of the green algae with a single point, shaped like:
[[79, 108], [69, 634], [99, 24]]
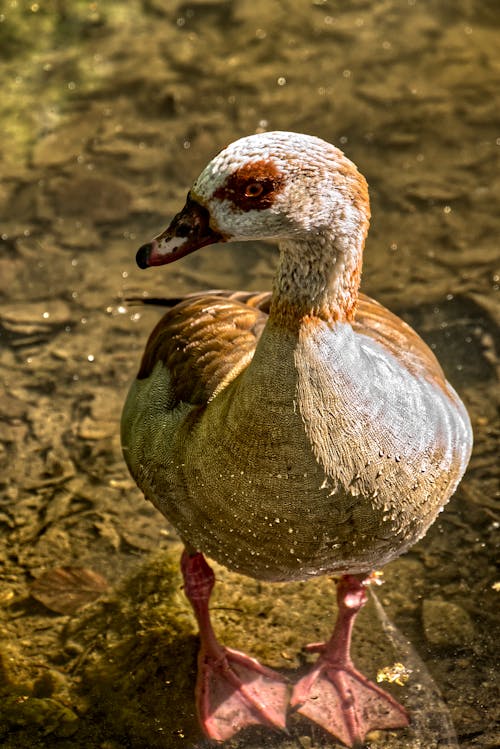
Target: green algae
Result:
[[127, 672], [139, 660]]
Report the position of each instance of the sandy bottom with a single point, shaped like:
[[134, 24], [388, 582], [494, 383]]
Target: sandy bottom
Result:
[[109, 111]]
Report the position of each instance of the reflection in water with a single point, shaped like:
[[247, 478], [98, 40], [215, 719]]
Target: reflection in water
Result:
[[108, 112], [431, 720]]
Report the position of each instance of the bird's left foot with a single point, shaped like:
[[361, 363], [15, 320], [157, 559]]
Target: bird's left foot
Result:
[[233, 690], [335, 694]]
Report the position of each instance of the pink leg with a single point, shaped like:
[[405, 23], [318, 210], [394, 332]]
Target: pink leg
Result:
[[337, 696], [232, 690]]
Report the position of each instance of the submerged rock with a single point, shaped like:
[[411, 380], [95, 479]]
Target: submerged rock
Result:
[[446, 624]]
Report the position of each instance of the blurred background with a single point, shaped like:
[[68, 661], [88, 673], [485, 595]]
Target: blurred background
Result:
[[108, 111]]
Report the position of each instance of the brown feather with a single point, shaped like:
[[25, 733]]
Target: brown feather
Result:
[[203, 340], [209, 337]]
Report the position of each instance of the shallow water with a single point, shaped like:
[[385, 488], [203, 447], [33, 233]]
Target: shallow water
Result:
[[109, 110]]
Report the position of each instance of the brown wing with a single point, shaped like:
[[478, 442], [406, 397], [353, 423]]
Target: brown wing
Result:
[[205, 341], [207, 338], [257, 299]]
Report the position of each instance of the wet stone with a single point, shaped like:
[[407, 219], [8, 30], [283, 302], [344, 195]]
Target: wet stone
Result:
[[23, 319], [73, 233], [142, 532], [5, 195], [60, 146], [11, 407], [446, 624], [49, 714], [95, 198], [435, 190], [45, 314], [139, 155], [96, 430]]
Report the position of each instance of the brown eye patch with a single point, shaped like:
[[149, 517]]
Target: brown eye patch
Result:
[[252, 186]]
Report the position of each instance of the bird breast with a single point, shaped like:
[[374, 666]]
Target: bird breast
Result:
[[324, 454]]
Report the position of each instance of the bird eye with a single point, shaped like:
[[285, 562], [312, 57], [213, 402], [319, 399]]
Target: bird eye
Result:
[[253, 190]]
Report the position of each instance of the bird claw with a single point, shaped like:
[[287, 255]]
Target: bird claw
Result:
[[314, 647]]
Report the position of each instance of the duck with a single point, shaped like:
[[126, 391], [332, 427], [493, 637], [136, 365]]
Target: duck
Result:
[[297, 432]]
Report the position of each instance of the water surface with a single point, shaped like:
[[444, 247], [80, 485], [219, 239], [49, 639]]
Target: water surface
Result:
[[109, 110]]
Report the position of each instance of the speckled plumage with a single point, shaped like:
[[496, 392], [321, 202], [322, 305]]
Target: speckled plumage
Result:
[[322, 439], [291, 493]]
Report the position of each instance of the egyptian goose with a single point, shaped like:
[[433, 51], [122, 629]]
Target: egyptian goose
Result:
[[285, 435]]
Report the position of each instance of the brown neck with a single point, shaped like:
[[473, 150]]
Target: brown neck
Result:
[[319, 277], [320, 268]]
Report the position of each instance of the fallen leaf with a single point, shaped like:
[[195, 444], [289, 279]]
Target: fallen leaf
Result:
[[66, 589]]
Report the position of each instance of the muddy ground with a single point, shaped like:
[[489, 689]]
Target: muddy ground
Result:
[[109, 110]]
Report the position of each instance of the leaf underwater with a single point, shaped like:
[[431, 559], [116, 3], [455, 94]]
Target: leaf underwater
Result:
[[65, 590]]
